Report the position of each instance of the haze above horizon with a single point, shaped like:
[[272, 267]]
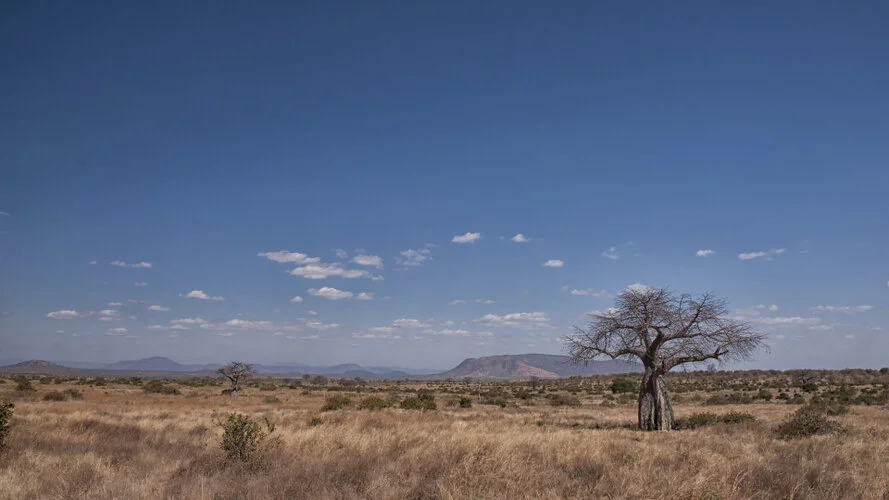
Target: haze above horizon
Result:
[[415, 185]]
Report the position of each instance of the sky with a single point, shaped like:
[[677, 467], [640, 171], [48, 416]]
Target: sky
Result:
[[414, 183]]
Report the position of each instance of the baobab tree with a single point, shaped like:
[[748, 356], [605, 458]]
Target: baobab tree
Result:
[[663, 330], [235, 372]]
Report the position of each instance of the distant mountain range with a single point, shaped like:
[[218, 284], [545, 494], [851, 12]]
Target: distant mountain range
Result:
[[504, 367]]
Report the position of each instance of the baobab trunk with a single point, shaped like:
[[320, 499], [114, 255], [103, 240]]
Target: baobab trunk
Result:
[[655, 411]]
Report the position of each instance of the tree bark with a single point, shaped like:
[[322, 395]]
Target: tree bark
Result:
[[655, 411]]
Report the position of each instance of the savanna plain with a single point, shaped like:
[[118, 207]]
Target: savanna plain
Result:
[[754, 434]]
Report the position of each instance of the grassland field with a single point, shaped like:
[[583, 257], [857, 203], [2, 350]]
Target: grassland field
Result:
[[569, 438]]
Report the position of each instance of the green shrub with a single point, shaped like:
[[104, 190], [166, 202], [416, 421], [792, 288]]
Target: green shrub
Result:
[[807, 421], [158, 387], [73, 393], [5, 418], [563, 400], [337, 402], [424, 400], [621, 386], [797, 399], [764, 394], [809, 387], [373, 403], [706, 418], [829, 407], [243, 437], [23, 384], [53, 396], [465, 402]]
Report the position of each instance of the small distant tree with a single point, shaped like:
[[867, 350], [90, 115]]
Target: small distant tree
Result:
[[663, 330], [236, 372]]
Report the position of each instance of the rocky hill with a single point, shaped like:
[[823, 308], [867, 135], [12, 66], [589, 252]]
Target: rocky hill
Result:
[[522, 366]]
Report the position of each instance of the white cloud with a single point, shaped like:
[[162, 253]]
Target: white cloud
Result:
[[93, 262], [179, 327], [466, 238], [341, 254], [157, 327], [312, 313], [368, 260], [519, 238], [449, 332], [296, 300], [140, 283], [322, 271], [289, 257], [115, 304], [821, 327], [554, 263], [611, 253], [60, 332], [589, 292], [317, 325], [484, 334], [704, 253], [225, 334], [137, 265], [108, 312], [330, 293], [843, 309], [189, 321], [63, 314], [458, 302], [117, 331], [106, 318], [523, 320], [158, 308], [756, 255], [264, 325], [199, 294], [412, 258], [789, 321], [382, 329], [364, 296], [410, 323], [374, 336]]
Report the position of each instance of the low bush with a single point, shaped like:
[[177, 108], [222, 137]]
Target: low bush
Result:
[[563, 400], [373, 403], [23, 384], [267, 387], [623, 386], [158, 387], [243, 437], [5, 418], [271, 400], [764, 394], [807, 421], [424, 400], [706, 418], [54, 396], [338, 402], [73, 393], [465, 402]]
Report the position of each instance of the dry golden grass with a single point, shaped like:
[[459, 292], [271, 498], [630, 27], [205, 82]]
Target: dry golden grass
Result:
[[122, 443]]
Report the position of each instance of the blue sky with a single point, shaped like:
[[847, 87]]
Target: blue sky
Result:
[[617, 139]]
